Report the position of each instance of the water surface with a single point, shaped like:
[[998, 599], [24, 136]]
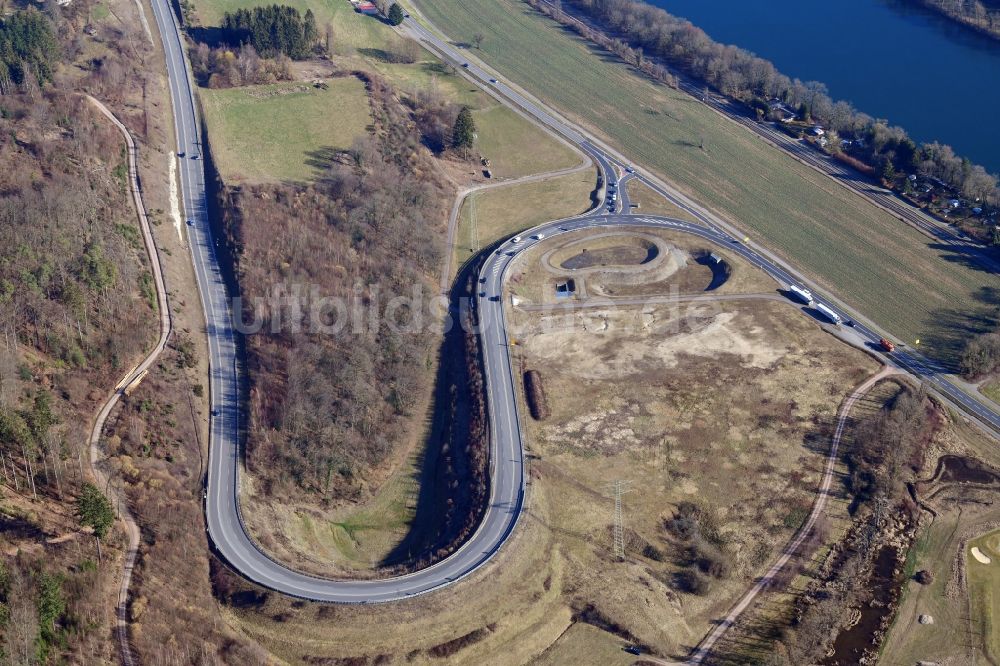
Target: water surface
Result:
[[938, 80]]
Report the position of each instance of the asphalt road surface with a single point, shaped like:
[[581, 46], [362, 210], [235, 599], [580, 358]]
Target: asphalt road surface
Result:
[[222, 509]]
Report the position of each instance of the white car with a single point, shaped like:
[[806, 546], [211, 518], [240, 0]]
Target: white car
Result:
[[515, 239], [538, 236]]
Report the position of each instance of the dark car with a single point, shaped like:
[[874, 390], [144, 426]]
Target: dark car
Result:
[[465, 64], [190, 223], [493, 80], [180, 154], [633, 649]]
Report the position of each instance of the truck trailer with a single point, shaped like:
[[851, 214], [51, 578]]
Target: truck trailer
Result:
[[829, 313], [802, 294]]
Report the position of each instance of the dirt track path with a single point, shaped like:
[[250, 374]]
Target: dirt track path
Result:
[[446, 276], [133, 377], [818, 506]]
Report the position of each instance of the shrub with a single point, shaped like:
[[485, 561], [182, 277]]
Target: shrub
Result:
[[395, 14], [535, 394], [692, 582]]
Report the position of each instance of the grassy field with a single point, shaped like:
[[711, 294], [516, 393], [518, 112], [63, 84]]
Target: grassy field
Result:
[[991, 390], [864, 255], [984, 591], [492, 214], [352, 539], [516, 147], [651, 203], [269, 133], [586, 644]]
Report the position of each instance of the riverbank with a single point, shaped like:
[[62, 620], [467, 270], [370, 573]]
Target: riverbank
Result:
[[857, 58], [978, 17]]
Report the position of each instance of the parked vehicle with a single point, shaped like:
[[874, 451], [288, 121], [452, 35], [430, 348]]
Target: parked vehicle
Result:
[[801, 293], [887, 345]]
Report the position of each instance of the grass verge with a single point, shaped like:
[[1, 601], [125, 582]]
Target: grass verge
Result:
[[651, 203]]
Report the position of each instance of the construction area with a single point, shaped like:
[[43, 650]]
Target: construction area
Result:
[[677, 379]]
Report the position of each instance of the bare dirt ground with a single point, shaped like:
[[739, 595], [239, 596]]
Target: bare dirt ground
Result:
[[540, 269], [722, 405]]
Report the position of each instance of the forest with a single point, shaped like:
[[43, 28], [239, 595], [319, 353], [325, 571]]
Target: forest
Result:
[[73, 315], [272, 30], [330, 402], [28, 49]]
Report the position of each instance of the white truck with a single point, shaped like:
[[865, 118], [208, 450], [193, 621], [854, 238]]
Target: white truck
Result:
[[801, 293], [829, 313]]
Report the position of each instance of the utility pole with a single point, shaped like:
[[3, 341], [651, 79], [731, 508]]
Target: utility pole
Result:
[[619, 488]]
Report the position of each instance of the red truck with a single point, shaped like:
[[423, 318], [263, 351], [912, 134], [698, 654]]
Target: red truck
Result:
[[887, 345]]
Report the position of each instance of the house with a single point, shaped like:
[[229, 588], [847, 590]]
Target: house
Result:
[[778, 105], [366, 8], [977, 211], [954, 203], [818, 131]]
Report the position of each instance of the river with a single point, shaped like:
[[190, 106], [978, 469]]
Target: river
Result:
[[936, 79]]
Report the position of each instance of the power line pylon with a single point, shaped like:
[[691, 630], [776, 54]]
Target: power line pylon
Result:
[[619, 488]]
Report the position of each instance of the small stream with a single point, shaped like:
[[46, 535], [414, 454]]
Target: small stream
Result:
[[852, 644]]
